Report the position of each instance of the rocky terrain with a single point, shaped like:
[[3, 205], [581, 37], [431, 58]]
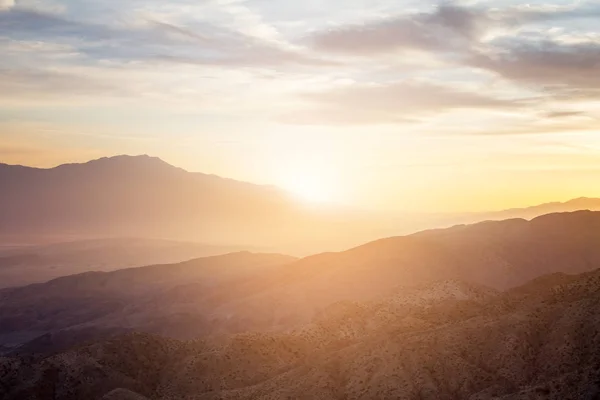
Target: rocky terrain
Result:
[[497, 310], [537, 341]]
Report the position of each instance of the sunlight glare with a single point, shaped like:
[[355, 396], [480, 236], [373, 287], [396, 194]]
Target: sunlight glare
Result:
[[309, 188]]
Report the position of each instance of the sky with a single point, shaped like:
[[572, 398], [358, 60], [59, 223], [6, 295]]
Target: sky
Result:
[[379, 104]]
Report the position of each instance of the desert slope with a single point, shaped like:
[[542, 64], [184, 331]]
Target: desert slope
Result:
[[497, 254], [536, 341], [79, 300]]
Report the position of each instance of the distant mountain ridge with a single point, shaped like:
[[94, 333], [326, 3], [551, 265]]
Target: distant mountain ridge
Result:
[[23, 265], [145, 197], [581, 203], [142, 196]]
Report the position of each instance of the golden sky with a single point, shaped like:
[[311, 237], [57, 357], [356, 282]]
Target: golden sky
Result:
[[376, 104]]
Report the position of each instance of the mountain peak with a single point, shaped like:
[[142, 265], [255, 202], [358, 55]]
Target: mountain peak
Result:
[[125, 158], [143, 161]]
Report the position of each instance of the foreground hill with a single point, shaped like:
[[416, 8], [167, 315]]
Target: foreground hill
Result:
[[74, 301], [24, 265], [251, 292], [448, 340]]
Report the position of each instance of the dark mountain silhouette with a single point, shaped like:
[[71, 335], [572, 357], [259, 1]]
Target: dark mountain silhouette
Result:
[[251, 292], [448, 340]]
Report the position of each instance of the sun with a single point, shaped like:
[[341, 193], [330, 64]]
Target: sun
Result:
[[310, 188]]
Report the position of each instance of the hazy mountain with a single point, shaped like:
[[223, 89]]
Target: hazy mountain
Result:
[[538, 341], [237, 293], [145, 197], [142, 196], [582, 203], [24, 265]]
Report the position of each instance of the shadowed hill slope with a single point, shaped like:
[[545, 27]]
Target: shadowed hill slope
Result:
[[498, 254], [539, 341], [25, 265], [244, 292], [74, 301]]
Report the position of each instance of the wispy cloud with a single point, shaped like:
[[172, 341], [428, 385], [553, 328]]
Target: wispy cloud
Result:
[[394, 102], [548, 64], [152, 40], [445, 29], [518, 44], [478, 58]]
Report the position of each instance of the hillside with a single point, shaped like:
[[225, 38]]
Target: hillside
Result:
[[536, 341], [75, 302], [245, 292], [24, 265]]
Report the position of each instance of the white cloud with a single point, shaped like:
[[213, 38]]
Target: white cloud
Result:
[[6, 4]]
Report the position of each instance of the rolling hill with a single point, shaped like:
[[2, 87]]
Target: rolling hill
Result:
[[536, 341], [24, 265], [245, 292]]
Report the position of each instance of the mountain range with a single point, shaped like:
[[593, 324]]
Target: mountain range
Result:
[[244, 292], [26, 264], [123, 279], [144, 197], [441, 340]]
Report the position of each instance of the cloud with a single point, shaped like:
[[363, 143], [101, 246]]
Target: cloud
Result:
[[564, 114], [528, 13], [230, 48], [495, 40], [6, 4], [37, 84], [542, 127], [203, 43], [178, 54], [392, 103], [448, 27], [570, 69]]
